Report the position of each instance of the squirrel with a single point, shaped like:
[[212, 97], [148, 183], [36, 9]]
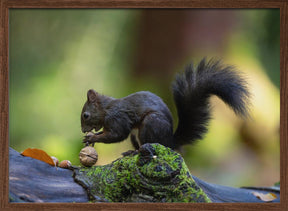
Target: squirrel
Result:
[[152, 119]]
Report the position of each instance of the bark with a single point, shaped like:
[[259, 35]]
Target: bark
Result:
[[154, 174]]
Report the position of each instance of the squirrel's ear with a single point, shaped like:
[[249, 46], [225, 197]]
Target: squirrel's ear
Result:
[[91, 96]]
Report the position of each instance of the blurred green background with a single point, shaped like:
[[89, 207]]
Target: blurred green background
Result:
[[56, 55]]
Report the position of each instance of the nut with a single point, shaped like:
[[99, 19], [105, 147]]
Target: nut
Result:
[[90, 134], [55, 160], [65, 164], [88, 156]]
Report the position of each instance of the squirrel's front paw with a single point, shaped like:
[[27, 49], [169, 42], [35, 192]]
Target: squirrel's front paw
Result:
[[90, 138]]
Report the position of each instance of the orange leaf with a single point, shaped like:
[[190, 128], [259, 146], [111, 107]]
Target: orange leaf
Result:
[[39, 155], [265, 197]]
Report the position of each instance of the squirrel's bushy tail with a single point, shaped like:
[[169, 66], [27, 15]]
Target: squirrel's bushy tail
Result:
[[192, 89]]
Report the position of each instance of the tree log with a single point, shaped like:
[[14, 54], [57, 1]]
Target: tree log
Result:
[[154, 174]]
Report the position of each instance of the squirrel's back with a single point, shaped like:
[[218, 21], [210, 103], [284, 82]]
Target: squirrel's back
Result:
[[147, 102]]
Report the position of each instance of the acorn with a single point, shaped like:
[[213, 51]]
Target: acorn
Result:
[[88, 156], [65, 164]]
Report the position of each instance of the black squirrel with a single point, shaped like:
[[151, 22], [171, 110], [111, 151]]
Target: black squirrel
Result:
[[147, 112]]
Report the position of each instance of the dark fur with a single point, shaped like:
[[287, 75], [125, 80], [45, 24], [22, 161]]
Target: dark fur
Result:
[[149, 114], [192, 90]]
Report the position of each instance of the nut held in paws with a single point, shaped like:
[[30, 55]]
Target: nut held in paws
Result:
[[88, 156]]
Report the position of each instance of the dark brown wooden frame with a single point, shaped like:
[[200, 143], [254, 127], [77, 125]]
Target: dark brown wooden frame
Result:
[[4, 105]]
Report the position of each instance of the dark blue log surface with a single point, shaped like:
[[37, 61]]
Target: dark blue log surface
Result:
[[31, 180]]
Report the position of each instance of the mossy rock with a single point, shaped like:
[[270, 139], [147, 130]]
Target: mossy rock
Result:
[[155, 174]]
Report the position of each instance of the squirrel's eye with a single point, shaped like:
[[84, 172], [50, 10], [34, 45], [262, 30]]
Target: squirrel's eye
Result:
[[86, 115]]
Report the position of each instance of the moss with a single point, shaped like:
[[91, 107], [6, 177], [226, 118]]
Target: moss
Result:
[[156, 174]]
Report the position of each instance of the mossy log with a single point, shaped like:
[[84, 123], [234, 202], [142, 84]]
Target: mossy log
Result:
[[154, 174]]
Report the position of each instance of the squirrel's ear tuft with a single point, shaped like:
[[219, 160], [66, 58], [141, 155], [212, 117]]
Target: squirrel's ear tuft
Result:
[[91, 96]]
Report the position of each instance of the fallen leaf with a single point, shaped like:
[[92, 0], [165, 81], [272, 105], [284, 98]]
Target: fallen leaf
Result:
[[265, 197], [39, 155]]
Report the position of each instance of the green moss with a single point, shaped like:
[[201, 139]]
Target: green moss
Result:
[[156, 174]]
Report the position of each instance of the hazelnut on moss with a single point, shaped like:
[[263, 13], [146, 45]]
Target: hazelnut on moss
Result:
[[88, 156]]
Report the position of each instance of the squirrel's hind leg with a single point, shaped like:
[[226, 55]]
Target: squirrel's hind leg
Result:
[[155, 128], [134, 140]]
